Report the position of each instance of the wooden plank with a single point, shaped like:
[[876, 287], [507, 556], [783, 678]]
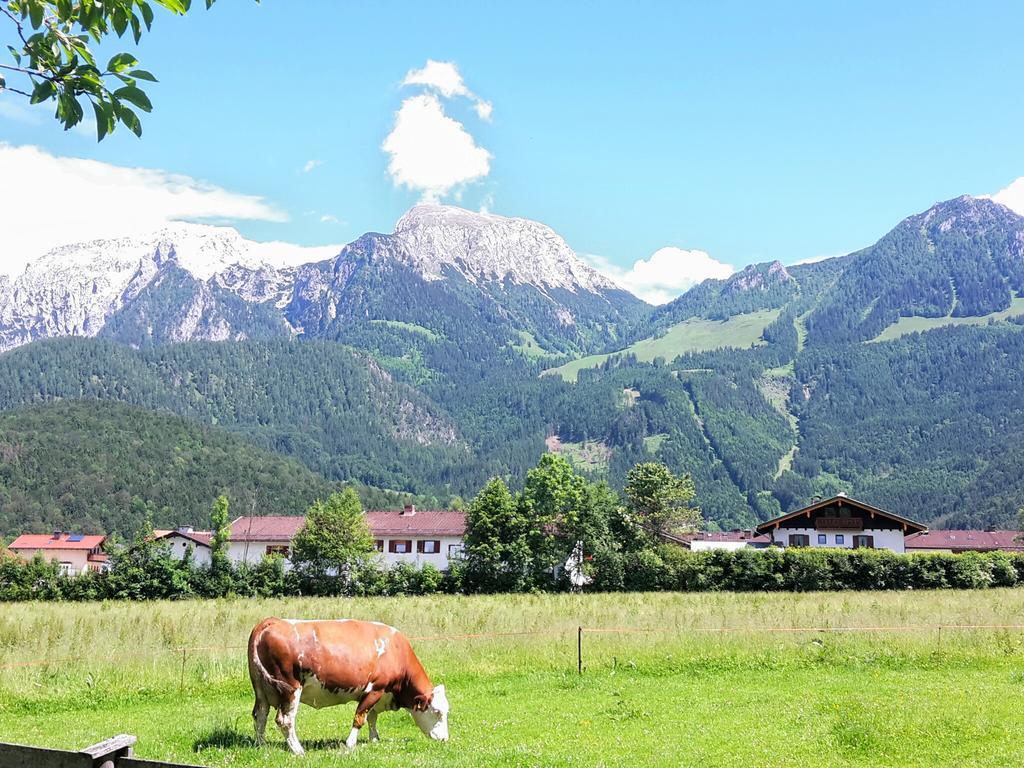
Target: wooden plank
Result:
[[134, 762], [20, 756]]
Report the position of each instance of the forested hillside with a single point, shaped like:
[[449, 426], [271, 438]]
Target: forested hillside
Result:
[[401, 370]]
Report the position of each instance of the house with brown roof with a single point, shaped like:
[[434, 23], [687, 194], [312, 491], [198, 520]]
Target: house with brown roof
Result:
[[841, 522], [182, 539], [956, 541], [409, 535], [75, 553]]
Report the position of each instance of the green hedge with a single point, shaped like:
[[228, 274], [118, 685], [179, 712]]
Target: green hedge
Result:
[[808, 570], [152, 574]]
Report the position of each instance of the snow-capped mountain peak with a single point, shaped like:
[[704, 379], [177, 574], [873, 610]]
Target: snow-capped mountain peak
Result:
[[485, 246]]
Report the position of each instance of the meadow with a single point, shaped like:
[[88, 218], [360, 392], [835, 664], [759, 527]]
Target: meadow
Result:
[[696, 334], [721, 681]]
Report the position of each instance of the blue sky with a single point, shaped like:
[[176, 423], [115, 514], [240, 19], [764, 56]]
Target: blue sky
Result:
[[747, 131]]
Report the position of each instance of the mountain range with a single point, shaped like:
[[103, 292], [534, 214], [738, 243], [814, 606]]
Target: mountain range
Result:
[[463, 345]]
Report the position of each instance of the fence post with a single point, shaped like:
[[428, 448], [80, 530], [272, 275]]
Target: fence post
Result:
[[106, 753], [181, 682], [579, 650]]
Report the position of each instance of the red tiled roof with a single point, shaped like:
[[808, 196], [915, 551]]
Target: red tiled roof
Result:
[[34, 541], [199, 537], [269, 528], [422, 522], [382, 522], [966, 540]]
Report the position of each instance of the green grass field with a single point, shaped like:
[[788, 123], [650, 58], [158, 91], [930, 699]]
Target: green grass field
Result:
[[693, 335], [688, 694], [907, 325]]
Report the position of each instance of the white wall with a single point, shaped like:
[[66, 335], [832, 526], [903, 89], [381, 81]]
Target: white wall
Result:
[[884, 538], [179, 546], [76, 560], [438, 560], [253, 551], [698, 545]]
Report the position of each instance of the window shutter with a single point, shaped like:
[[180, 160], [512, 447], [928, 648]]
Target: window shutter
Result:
[[421, 545]]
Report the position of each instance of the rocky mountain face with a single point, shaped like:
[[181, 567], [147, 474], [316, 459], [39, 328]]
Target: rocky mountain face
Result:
[[197, 282]]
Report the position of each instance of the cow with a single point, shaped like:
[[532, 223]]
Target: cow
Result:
[[323, 663]]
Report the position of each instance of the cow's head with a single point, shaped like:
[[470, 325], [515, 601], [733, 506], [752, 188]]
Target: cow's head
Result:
[[431, 714]]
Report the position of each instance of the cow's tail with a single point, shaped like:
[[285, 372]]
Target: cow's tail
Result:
[[265, 685]]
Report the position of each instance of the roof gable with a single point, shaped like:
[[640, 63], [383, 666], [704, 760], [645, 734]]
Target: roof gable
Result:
[[860, 509]]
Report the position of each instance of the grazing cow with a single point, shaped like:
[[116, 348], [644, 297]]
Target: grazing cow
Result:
[[323, 663]]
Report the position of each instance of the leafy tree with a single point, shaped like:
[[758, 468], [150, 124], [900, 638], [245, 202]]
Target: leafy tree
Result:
[[52, 54], [552, 502], [660, 500], [220, 563], [335, 539], [498, 553]]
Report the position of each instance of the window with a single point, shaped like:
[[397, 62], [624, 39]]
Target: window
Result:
[[378, 544], [822, 538], [428, 547], [455, 550], [278, 549], [840, 540], [66, 568], [799, 540], [400, 546], [863, 542]]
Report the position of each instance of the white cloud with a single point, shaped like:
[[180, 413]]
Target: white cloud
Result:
[[1012, 196], [816, 259], [484, 110], [444, 78], [311, 164], [61, 200], [666, 274], [431, 152], [328, 218]]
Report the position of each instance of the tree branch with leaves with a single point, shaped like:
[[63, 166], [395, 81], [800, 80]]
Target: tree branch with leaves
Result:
[[53, 60]]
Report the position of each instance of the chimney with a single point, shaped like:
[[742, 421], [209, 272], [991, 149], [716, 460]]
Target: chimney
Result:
[[56, 535], [409, 510]]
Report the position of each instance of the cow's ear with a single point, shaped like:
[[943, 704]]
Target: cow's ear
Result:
[[421, 703]]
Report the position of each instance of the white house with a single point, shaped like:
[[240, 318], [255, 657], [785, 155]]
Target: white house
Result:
[[841, 522], [433, 536], [183, 538], [407, 535], [76, 553]]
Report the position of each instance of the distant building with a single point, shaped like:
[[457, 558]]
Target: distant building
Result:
[[253, 538], [433, 536], [407, 535], [841, 522], [75, 553], [966, 541], [731, 540], [183, 538]]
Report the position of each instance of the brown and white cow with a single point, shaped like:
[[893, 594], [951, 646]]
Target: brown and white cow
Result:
[[323, 663]]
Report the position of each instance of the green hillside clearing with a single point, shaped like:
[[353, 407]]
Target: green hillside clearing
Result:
[[694, 335], [907, 325]]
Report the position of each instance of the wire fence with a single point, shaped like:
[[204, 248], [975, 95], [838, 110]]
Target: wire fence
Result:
[[184, 652]]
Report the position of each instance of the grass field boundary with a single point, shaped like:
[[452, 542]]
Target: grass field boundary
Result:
[[185, 651]]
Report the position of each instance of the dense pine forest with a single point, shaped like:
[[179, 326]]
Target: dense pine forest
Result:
[[895, 374]]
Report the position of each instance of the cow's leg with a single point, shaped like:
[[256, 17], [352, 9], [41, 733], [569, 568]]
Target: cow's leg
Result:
[[259, 719], [371, 720], [286, 721], [362, 708]]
